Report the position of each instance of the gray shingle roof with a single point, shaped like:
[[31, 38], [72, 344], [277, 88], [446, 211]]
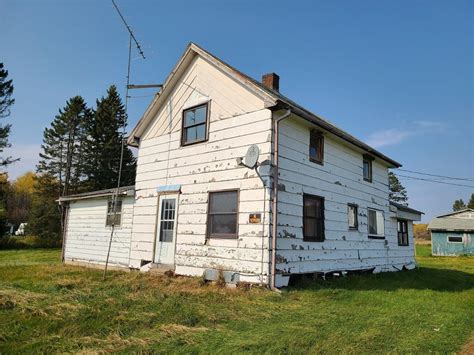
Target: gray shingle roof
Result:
[[452, 224]]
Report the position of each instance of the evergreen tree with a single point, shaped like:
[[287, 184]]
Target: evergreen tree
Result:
[[397, 193], [471, 202], [63, 144], [45, 215], [6, 100], [459, 205], [103, 145]]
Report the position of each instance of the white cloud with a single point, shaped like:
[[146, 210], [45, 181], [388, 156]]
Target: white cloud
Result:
[[28, 154], [387, 137], [393, 136]]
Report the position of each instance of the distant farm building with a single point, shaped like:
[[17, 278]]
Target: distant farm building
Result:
[[452, 233]]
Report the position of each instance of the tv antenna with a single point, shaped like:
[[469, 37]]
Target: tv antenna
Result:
[[128, 87]]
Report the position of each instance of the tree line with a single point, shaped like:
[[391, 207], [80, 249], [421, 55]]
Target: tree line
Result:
[[80, 152]]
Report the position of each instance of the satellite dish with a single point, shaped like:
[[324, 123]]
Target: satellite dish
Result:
[[251, 157]]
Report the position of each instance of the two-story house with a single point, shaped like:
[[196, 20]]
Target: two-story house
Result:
[[317, 202]]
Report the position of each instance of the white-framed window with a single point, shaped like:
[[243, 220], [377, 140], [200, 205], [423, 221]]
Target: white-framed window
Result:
[[375, 223], [454, 239], [109, 221]]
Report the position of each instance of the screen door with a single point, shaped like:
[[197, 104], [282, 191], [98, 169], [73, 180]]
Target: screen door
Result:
[[166, 230]]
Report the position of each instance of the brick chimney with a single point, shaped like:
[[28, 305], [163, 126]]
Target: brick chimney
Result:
[[271, 81]]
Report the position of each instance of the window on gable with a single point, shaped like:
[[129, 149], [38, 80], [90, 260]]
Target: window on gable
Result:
[[367, 167], [313, 218], [114, 215], [222, 214], [402, 232], [316, 147], [352, 216], [375, 222], [194, 125]]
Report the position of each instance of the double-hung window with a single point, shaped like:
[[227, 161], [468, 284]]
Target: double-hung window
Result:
[[375, 221], [223, 214], [313, 218], [114, 213], [402, 232], [194, 125]]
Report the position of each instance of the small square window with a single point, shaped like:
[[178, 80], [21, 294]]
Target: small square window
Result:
[[316, 147], [194, 128], [352, 216], [367, 168], [114, 218]]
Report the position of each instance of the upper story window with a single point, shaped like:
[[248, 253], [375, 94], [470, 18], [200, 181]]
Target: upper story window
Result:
[[313, 218], [402, 232], [194, 125], [223, 211], [352, 216], [376, 224], [367, 167], [316, 147], [114, 212]]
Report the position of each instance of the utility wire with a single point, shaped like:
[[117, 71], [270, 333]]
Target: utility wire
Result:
[[434, 175], [435, 181]]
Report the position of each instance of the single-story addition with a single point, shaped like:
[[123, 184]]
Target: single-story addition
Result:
[[308, 198], [453, 233]]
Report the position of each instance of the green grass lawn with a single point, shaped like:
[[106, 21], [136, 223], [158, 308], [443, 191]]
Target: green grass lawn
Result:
[[49, 307]]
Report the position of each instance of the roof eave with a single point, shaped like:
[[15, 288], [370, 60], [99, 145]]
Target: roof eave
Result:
[[311, 117]]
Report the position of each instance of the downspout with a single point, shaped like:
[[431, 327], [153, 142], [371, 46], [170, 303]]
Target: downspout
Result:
[[276, 123]]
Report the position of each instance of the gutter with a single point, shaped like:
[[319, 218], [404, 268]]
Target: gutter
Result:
[[276, 123]]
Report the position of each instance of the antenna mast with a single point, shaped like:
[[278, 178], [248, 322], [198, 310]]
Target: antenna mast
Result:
[[122, 147]]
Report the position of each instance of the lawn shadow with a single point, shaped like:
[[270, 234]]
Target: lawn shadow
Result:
[[422, 278]]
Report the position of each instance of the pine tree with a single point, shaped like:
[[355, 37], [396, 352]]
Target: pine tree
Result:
[[471, 202], [45, 214], [6, 101], [397, 193], [63, 146], [103, 145], [459, 205]]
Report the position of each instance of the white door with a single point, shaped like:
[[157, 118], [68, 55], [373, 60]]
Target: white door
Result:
[[166, 229]]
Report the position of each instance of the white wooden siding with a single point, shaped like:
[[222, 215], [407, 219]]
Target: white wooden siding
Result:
[[237, 120], [87, 236], [340, 182]]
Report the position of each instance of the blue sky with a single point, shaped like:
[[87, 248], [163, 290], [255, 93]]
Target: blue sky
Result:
[[397, 74]]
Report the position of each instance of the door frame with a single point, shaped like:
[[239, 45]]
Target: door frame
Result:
[[161, 195]]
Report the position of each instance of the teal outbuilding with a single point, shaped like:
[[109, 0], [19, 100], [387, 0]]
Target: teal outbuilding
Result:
[[452, 234]]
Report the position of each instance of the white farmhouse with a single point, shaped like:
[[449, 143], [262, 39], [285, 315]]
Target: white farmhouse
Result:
[[196, 210]]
